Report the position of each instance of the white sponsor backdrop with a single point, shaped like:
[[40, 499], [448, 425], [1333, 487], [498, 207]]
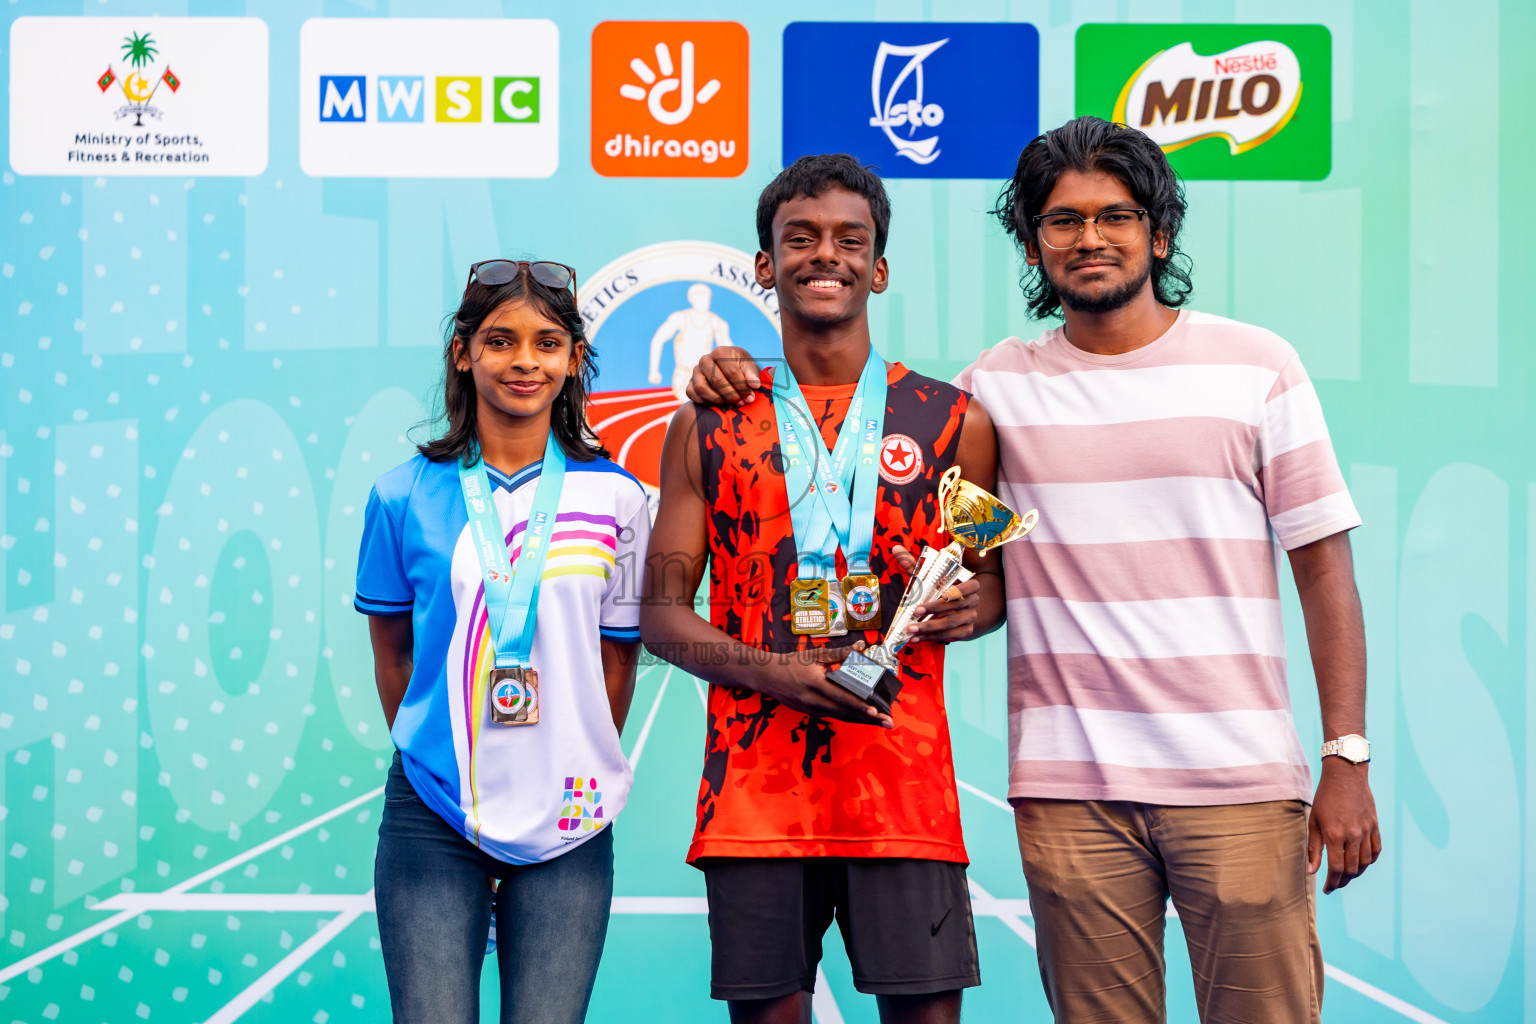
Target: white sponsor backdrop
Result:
[[476, 49], [215, 121]]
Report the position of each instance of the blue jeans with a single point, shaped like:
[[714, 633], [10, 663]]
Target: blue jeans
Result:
[[433, 891]]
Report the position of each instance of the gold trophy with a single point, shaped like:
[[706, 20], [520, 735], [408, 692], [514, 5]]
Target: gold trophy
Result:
[[974, 519]]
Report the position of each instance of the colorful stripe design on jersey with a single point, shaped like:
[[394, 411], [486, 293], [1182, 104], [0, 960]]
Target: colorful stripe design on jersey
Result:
[[416, 557], [777, 782], [582, 544], [585, 547]]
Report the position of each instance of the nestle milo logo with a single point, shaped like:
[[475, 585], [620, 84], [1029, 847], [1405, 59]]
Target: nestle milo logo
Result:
[[1245, 95], [1224, 101]]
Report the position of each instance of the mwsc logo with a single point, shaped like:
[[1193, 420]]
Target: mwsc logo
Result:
[[1223, 101], [919, 100], [429, 98], [404, 99]]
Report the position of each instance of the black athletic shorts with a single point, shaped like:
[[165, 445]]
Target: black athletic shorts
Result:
[[906, 923]]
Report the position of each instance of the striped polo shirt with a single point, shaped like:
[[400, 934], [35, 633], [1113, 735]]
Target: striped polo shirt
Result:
[[1146, 655], [523, 794]]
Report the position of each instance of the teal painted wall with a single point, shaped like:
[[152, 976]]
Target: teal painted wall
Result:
[[200, 378]]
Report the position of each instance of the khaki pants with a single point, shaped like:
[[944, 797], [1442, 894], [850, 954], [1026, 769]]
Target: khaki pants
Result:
[[1100, 874]]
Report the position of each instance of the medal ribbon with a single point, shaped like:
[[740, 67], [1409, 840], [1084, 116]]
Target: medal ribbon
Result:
[[511, 595], [842, 510]]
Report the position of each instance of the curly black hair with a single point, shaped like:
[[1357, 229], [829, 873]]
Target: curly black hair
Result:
[[1089, 145], [809, 177]]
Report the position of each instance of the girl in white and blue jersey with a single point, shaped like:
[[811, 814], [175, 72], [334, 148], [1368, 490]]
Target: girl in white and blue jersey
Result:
[[505, 636]]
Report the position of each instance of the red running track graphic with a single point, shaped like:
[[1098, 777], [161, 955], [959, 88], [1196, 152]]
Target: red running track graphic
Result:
[[632, 425]]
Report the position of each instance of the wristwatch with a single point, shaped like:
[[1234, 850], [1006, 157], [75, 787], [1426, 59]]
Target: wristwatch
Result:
[[1353, 748]]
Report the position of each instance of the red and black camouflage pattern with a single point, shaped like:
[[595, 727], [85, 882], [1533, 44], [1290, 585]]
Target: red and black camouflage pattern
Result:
[[777, 782]]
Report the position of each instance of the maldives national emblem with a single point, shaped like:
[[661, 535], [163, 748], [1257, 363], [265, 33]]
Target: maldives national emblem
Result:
[[140, 53]]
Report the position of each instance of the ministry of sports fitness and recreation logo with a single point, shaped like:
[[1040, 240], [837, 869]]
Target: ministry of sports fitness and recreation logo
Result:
[[918, 100], [1224, 101], [99, 96], [421, 97], [581, 811], [652, 314], [139, 52], [669, 99]]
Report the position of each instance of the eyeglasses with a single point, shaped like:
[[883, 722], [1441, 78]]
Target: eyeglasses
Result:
[[493, 272], [1065, 230]]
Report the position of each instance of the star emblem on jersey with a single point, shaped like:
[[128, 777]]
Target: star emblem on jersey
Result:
[[900, 459]]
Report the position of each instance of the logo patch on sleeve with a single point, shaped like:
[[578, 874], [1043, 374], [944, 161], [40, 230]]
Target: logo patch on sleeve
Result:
[[901, 459]]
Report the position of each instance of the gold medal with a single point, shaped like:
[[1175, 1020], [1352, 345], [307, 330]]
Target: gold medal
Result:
[[514, 694], [861, 600], [809, 611]]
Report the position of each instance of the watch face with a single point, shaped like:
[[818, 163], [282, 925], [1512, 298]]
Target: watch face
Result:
[[1354, 748]]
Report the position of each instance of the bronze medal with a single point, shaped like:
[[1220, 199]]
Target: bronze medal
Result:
[[530, 712], [514, 694]]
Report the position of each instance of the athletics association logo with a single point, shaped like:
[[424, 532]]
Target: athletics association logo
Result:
[[1224, 101], [917, 100], [901, 459], [582, 811], [669, 99], [509, 696], [651, 315], [862, 601]]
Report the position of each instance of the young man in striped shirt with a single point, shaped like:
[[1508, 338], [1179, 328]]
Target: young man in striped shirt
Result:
[[1173, 455]]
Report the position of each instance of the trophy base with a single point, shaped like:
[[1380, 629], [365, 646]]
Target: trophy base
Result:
[[866, 679]]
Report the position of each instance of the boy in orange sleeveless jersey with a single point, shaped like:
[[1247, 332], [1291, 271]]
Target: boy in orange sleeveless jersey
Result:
[[813, 803]]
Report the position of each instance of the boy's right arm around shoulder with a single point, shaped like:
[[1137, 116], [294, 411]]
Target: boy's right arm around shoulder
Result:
[[674, 631], [726, 376]]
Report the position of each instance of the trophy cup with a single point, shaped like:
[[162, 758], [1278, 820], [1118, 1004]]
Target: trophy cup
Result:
[[974, 519]]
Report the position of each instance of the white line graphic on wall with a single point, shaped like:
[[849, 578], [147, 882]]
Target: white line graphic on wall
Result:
[[911, 113]]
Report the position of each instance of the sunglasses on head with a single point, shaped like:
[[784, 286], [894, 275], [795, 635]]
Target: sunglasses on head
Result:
[[494, 272]]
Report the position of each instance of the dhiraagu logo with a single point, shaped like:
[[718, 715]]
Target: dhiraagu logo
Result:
[[1223, 101]]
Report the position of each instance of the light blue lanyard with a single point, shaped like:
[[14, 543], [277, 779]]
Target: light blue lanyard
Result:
[[839, 508], [512, 595]]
